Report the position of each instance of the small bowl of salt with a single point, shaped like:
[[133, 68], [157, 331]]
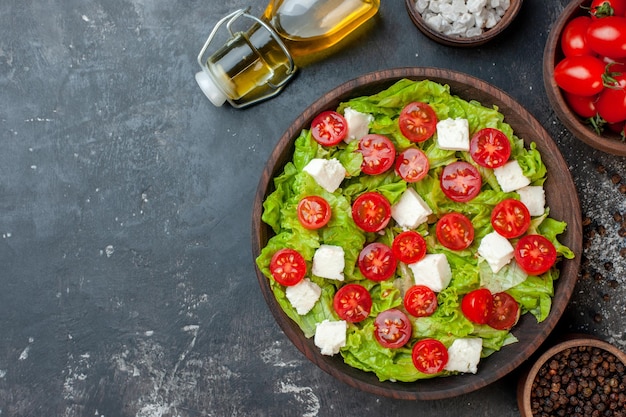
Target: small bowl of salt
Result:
[[463, 23]]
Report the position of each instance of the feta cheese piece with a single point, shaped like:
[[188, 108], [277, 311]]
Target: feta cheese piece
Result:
[[510, 176], [358, 124], [453, 134], [328, 173], [464, 355], [330, 336], [433, 271], [303, 295], [328, 262], [497, 251], [534, 197], [411, 210]]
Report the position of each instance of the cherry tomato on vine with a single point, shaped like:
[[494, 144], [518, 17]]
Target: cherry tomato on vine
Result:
[[611, 103], [412, 164], [607, 36], [583, 106], [378, 153], [376, 262], [603, 8], [352, 303], [409, 247], [477, 305], [313, 212], [581, 75], [535, 254], [392, 328], [460, 181], [287, 267], [455, 231], [510, 218], [420, 301], [490, 148], [371, 211], [329, 128], [417, 121], [574, 37], [505, 313], [429, 356]]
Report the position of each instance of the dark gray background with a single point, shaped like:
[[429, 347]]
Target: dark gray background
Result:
[[127, 285]]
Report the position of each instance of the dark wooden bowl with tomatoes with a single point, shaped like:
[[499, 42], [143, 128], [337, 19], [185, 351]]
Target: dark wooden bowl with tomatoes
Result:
[[561, 197], [593, 105]]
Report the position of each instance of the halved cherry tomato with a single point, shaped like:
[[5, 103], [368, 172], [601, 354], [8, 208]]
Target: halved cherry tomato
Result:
[[412, 164], [583, 106], [477, 305], [417, 121], [371, 211], [392, 328], [581, 75], [288, 267], [460, 181], [611, 104], [604, 8], [490, 148], [378, 154], [376, 262], [429, 356], [535, 254], [313, 212], [607, 36], [352, 303], [329, 128], [574, 37], [505, 313], [510, 218], [420, 301], [409, 247], [455, 231]]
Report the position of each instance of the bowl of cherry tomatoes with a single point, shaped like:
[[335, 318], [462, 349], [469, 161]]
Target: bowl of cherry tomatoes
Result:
[[584, 72]]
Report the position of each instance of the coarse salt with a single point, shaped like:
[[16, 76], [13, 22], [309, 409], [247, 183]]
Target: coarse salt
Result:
[[463, 18]]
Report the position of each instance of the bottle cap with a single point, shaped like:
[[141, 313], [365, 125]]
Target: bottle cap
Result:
[[210, 89]]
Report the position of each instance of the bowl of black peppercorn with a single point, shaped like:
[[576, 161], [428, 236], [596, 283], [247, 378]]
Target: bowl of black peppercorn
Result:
[[580, 376]]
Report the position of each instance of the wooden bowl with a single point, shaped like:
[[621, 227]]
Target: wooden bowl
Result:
[[525, 386], [609, 142], [481, 39], [561, 196]]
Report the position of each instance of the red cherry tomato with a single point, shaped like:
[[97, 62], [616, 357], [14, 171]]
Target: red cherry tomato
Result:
[[580, 75], [460, 181], [455, 231], [535, 254], [574, 37], [378, 154], [611, 104], [604, 8], [607, 36], [409, 247], [510, 218], [376, 262], [288, 267], [505, 312], [420, 301], [371, 211], [429, 356], [412, 165], [490, 148], [417, 121], [477, 305], [392, 328], [329, 128], [352, 303], [313, 212], [583, 106]]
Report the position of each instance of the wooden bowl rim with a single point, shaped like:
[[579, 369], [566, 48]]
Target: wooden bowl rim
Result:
[[567, 207], [552, 53], [481, 39]]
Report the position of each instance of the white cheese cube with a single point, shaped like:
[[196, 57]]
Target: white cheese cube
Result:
[[510, 176], [330, 336], [453, 134], [432, 271], [303, 295], [534, 197], [464, 355], [497, 251], [328, 262], [411, 210], [328, 173], [358, 124]]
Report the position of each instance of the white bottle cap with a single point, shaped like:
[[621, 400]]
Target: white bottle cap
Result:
[[210, 89]]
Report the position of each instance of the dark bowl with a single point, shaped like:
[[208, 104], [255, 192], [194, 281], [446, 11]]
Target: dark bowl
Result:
[[561, 196]]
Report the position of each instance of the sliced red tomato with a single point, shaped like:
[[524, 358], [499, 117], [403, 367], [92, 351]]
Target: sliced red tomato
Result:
[[314, 212], [392, 328], [376, 262], [420, 301], [505, 312], [574, 37], [604, 8], [477, 305], [583, 106], [607, 36], [371, 211], [535, 254], [510, 218], [611, 103], [329, 128], [460, 181], [417, 121], [581, 75], [412, 164], [352, 303], [429, 356], [490, 148], [378, 154], [287, 267], [409, 247], [455, 231]]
